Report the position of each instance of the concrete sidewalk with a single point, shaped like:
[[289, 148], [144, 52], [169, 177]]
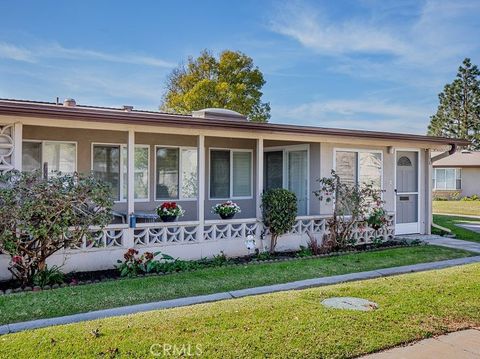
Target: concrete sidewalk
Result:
[[464, 344], [444, 241], [302, 284]]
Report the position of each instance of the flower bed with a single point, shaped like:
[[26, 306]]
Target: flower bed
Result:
[[178, 266]]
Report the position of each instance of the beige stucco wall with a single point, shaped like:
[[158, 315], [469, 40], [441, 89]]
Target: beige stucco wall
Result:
[[470, 181]]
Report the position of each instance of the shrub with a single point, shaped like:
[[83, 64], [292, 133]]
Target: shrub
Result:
[[471, 198], [134, 264], [39, 217], [351, 206], [48, 276], [279, 208]]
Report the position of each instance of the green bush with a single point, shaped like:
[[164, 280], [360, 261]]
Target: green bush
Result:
[[471, 198], [279, 209], [48, 276]]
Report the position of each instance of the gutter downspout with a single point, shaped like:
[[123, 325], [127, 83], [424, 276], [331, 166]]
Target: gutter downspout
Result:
[[452, 150]]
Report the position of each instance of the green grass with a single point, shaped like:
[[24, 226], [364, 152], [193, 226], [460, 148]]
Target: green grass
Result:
[[284, 325], [467, 208], [64, 301], [460, 233]]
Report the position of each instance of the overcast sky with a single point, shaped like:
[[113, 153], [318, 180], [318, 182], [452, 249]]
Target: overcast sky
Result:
[[376, 65]]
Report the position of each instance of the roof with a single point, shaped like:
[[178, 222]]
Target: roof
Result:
[[459, 159], [119, 115]]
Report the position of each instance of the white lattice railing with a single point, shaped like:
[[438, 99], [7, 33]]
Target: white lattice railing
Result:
[[147, 234], [165, 233], [109, 237], [6, 148], [231, 229]]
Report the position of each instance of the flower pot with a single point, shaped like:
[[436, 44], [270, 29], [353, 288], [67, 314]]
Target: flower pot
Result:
[[167, 218], [227, 216]]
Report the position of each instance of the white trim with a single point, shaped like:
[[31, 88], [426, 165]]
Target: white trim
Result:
[[414, 227], [130, 171], [259, 173], [285, 150], [180, 184], [123, 196], [201, 187], [17, 146], [231, 150]]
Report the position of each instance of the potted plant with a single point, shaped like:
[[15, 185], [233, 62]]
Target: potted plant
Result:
[[169, 211], [226, 210]]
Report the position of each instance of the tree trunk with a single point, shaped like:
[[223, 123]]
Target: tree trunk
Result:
[[273, 243]]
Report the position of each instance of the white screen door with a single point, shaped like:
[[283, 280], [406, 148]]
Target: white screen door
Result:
[[407, 192]]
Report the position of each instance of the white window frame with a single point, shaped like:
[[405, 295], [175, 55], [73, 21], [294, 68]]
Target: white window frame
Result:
[[231, 150], [122, 146], [456, 169], [180, 181], [43, 142], [286, 150], [358, 151]]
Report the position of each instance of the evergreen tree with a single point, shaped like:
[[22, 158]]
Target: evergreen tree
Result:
[[458, 114], [231, 81]]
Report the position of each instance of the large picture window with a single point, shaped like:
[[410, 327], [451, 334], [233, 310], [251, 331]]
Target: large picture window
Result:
[[230, 174], [447, 179], [59, 156], [110, 163], [357, 167], [176, 173]]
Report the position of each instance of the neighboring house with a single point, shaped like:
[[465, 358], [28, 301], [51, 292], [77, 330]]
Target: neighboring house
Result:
[[207, 158], [457, 175]]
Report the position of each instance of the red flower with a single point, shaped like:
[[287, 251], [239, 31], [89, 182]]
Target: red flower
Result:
[[17, 259]]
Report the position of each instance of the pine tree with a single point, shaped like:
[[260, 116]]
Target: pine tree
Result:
[[458, 114]]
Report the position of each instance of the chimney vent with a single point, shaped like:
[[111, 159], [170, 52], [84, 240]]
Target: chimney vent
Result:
[[127, 108], [69, 102]]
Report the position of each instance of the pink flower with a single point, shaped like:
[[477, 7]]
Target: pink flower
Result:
[[17, 259]]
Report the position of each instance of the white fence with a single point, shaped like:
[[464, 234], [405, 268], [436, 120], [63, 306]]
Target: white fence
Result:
[[189, 240]]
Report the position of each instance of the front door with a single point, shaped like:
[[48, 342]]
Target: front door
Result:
[[407, 192]]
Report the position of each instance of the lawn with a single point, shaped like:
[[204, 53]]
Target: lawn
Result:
[[460, 233], [63, 301], [467, 208], [287, 324]]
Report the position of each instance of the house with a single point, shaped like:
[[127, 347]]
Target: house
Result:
[[457, 175], [203, 159]]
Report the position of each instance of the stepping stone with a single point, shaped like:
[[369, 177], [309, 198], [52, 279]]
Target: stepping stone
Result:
[[350, 303]]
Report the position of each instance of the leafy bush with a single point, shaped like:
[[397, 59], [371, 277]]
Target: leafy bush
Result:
[[471, 198], [279, 208], [48, 276], [351, 206], [134, 264], [39, 217], [304, 252]]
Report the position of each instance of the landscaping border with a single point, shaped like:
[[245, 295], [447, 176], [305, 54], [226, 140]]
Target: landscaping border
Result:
[[252, 262], [180, 302]]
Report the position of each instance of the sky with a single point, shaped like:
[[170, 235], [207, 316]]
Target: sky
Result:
[[365, 64]]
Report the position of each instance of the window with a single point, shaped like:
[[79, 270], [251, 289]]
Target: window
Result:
[[287, 167], [447, 178], [176, 173], [230, 173], [110, 163], [60, 156], [355, 167]]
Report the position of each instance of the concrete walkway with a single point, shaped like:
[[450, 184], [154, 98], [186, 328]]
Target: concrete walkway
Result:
[[302, 284], [458, 215], [464, 344], [472, 226], [444, 241]]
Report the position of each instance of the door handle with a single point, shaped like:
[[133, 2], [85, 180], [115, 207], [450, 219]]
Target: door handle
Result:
[[395, 190]]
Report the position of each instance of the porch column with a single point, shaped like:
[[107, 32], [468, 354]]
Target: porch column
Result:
[[201, 187], [129, 240], [428, 192], [17, 145], [259, 183]]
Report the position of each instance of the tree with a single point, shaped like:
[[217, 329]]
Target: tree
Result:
[[458, 114], [40, 217], [279, 209], [231, 81]]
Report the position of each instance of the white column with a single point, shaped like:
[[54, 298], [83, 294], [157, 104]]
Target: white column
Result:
[[201, 187], [428, 192], [17, 145], [129, 240], [259, 182]]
